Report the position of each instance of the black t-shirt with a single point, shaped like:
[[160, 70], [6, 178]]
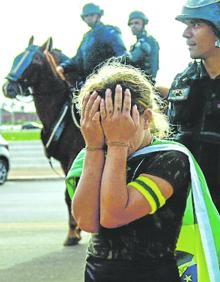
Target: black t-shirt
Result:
[[151, 240]]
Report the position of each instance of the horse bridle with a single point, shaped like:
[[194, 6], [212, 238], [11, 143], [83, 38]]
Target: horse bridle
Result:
[[21, 86]]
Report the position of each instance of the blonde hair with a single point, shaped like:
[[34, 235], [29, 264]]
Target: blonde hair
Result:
[[142, 92]]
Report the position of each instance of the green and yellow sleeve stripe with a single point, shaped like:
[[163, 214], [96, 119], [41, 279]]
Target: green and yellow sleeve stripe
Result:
[[149, 189]]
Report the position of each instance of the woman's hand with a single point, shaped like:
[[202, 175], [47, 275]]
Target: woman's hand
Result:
[[119, 124], [90, 121]]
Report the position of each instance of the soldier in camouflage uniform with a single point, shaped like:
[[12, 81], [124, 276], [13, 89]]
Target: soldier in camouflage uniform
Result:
[[101, 42], [144, 54], [194, 97]]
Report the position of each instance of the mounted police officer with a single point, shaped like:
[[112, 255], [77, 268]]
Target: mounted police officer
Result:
[[194, 97], [144, 54], [101, 42]]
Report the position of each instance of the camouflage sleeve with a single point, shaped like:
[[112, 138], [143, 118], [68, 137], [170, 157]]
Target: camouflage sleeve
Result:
[[146, 47], [138, 53]]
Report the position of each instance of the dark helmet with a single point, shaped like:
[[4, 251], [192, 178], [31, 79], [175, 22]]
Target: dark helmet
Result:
[[91, 8], [208, 10], [137, 15]]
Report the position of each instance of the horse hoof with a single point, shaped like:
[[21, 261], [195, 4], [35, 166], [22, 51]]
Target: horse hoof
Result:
[[71, 241]]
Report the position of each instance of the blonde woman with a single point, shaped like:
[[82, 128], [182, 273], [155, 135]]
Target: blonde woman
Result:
[[133, 205]]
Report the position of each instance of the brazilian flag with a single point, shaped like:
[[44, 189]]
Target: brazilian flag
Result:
[[75, 172], [198, 247]]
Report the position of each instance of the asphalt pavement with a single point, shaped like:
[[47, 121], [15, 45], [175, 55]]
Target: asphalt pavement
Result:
[[33, 221], [33, 227]]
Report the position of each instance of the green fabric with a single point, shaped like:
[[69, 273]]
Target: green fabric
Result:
[[150, 191], [193, 262], [75, 172]]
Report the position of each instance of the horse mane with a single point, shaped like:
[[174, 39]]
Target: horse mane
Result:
[[53, 64], [53, 60]]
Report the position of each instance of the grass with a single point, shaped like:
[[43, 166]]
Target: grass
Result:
[[21, 135]]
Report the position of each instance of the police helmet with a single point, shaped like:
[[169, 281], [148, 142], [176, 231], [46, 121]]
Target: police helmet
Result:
[[91, 8], [137, 15], [208, 10]]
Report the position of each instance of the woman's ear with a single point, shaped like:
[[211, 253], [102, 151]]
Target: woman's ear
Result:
[[147, 118]]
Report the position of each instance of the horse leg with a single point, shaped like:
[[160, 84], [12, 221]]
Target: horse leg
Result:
[[73, 236]]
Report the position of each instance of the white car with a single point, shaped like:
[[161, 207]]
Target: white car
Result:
[[4, 160]]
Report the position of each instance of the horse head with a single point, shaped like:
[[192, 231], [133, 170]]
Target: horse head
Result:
[[28, 69]]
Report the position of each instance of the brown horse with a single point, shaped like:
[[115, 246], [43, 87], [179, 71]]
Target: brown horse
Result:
[[33, 73]]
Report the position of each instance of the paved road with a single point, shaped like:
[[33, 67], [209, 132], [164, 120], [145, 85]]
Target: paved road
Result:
[[28, 159], [33, 225]]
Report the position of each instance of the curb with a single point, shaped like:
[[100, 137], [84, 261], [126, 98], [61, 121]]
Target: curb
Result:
[[35, 178], [34, 173]]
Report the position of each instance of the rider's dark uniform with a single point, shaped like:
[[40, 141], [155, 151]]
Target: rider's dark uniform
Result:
[[99, 44], [194, 110], [144, 54]]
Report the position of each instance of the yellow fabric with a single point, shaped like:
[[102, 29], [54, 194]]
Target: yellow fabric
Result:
[[146, 194], [154, 187]]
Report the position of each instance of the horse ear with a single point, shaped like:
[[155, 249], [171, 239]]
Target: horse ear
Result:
[[48, 44], [31, 40]]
